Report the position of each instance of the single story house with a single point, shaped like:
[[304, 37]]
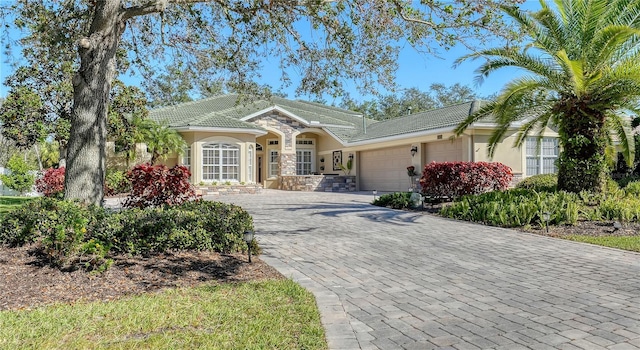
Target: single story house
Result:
[[297, 145]]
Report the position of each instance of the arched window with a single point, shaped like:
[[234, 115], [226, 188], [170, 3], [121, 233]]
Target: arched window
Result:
[[220, 162]]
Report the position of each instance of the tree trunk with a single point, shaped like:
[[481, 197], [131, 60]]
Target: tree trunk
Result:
[[582, 164], [86, 155], [39, 157]]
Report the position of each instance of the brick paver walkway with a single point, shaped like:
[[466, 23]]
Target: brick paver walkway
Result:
[[387, 279]]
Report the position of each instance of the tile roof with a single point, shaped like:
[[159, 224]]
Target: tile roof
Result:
[[226, 111], [446, 117]]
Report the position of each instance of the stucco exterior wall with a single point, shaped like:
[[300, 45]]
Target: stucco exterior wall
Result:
[[505, 152], [197, 139]]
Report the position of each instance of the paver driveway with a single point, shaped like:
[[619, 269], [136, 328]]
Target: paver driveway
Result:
[[387, 279]]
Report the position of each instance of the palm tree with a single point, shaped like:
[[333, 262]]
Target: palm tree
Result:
[[583, 63], [161, 140]]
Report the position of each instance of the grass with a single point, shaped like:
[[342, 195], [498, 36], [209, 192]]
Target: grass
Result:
[[277, 314], [8, 203], [631, 243]]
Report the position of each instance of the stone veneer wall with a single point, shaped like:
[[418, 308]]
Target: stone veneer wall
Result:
[[287, 164], [220, 190], [318, 183], [287, 127]]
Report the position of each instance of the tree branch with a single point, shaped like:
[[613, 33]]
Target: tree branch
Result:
[[409, 19], [144, 9]]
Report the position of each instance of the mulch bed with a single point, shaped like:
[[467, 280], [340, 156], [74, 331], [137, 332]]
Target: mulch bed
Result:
[[27, 282], [589, 228]]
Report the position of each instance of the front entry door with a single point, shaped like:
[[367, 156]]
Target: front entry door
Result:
[[259, 169]]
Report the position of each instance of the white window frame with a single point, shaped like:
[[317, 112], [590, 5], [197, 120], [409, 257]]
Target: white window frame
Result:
[[542, 162], [250, 154], [224, 157], [186, 158], [273, 164], [304, 167]]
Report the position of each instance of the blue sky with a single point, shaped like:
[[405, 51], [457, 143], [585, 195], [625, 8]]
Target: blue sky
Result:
[[415, 70]]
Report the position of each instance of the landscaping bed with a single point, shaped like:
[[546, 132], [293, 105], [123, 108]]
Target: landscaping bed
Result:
[[28, 282]]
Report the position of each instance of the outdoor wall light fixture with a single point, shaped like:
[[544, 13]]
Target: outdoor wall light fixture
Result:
[[248, 237], [414, 150], [375, 192], [350, 156], [546, 216]]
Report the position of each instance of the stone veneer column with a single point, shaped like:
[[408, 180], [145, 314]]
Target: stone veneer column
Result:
[[287, 164]]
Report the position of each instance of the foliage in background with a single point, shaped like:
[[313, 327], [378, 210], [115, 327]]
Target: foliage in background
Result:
[[7, 149], [116, 182], [49, 153], [72, 235], [157, 185], [51, 184], [539, 183], [23, 118], [126, 115], [20, 177], [583, 79], [180, 83], [411, 101], [455, 179]]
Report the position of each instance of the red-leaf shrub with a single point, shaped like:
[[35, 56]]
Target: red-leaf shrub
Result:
[[156, 185], [454, 179], [51, 184]]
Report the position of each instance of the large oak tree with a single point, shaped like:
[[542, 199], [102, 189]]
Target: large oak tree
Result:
[[325, 43]]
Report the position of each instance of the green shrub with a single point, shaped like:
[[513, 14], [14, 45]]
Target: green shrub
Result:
[[633, 189], [61, 227], [516, 208], [116, 182], [20, 178], [539, 183], [621, 209], [611, 187], [74, 235], [397, 200]]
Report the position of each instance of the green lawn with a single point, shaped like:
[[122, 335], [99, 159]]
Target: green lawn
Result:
[[259, 315], [8, 203], [631, 243]]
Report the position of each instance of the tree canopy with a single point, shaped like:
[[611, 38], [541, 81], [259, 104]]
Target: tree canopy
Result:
[[583, 64], [318, 44], [412, 100]]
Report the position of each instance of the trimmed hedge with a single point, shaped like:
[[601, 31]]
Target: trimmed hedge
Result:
[[73, 235], [455, 179], [397, 200], [540, 183]]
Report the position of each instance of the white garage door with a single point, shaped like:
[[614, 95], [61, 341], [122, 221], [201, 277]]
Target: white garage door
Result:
[[444, 151], [385, 169]]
